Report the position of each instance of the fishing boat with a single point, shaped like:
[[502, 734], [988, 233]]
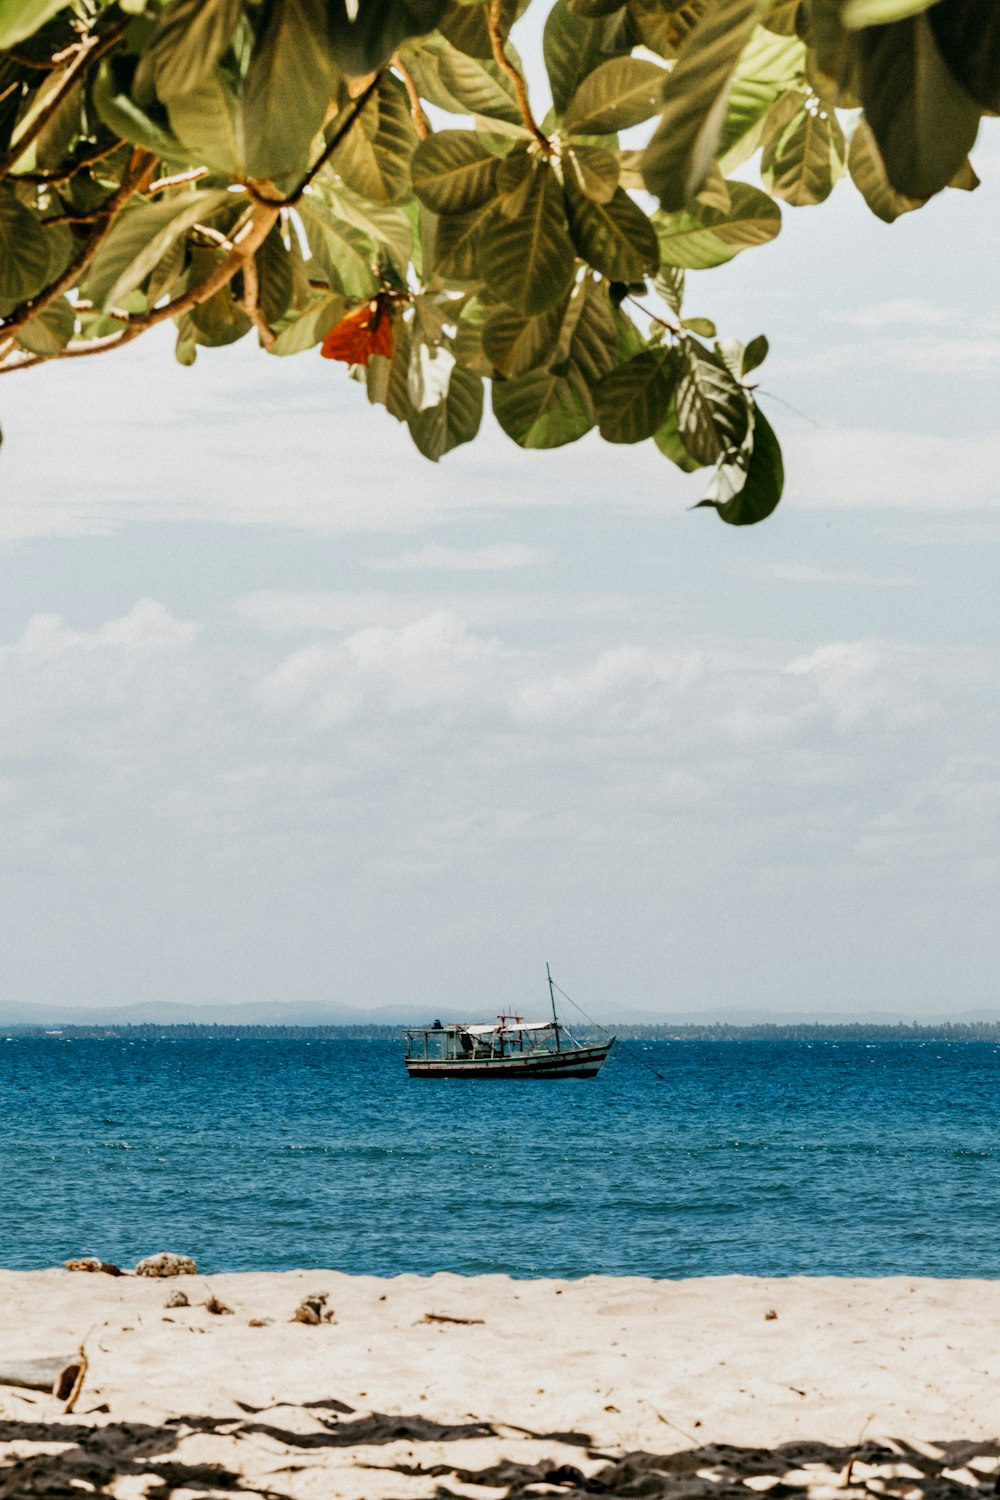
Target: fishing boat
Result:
[[509, 1048]]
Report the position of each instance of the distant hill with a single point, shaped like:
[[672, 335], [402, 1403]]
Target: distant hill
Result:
[[323, 1016]]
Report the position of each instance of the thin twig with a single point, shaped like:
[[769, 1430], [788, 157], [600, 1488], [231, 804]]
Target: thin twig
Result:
[[673, 328], [178, 180], [246, 241], [89, 52], [215, 235], [142, 162], [43, 64], [356, 107], [53, 176], [251, 302], [417, 113], [503, 62]]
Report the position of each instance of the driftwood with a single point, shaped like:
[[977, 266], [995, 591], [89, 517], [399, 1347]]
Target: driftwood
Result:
[[59, 1377], [445, 1318]]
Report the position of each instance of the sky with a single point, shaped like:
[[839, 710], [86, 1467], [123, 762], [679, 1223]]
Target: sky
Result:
[[290, 715]]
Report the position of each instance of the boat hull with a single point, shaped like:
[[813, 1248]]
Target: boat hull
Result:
[[581, 1062]]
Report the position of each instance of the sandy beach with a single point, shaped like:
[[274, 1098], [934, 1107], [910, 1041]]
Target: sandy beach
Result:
[[488, 1387]]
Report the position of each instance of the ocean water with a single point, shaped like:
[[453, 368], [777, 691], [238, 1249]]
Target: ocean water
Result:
[[769, 1158]]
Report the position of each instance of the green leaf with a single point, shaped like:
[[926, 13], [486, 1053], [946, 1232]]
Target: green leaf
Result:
[[696, 97], [748, 491], [631, 400], [712, 410], [439, 429], [51, 331], [754, 354], [221, 320], [514, 342], [877, 12], [616, 237], [669, 283], [801, 164], [453, 172], [122, 115], [864, 162], [209, 120], [589, 335], [464, 24], [703, 327], [288, 88], [377, 166], [529, 262], [594, 8], [699, 237], [365, 33], [619, 93], [543, 410], [769, 65], [275, 276], [20, 18], [968, 37], [24, 250], [311, 326], [670, 443], [346, 256], [387, 224], [479, 86], [140, 238], [191, 36], [572, 46], [595, 170], [458, 243], [923, 121]]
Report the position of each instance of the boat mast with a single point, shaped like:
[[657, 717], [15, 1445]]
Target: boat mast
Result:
[[552, 997]]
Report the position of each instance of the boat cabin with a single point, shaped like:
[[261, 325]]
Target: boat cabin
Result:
[[509, 1036]]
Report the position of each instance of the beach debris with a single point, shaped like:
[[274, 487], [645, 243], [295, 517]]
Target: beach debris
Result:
[[57, 1376], [213, 1305], [313, 1309], [93, 1263], [61, 1377], [177, 1299], [260, 1322], [166, 1263], [771, 1316], [433, 1317]]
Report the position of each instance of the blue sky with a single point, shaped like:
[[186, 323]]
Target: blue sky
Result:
[[290, 715]]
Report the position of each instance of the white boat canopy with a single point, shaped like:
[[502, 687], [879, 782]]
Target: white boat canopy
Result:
[[505, 1026]]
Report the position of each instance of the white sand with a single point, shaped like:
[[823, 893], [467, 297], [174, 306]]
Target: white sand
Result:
[[902, 1375]]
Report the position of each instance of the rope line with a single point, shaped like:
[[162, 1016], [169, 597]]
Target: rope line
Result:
[[627, 1050]]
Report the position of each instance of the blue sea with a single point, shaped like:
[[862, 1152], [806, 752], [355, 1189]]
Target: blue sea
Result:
[[767, 1158]]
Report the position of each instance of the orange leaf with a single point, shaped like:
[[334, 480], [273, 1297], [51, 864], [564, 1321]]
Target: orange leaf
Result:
[[364, 332]]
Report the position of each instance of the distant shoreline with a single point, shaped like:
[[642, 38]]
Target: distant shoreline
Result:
[[959, 1031]]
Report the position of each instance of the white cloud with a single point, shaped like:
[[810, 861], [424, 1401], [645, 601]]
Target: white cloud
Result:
[[434, 662], [894, 311], [809, 573], [848, 467], [459, 560]]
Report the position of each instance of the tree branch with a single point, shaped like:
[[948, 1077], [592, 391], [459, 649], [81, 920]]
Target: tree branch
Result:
[[503, 62], [350, 115], [251, 302], [90, 51], [245, 242], [53, 176], [417, 113], [142, 161]]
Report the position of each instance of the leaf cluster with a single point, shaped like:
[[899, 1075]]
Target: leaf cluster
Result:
[[266, 166]]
